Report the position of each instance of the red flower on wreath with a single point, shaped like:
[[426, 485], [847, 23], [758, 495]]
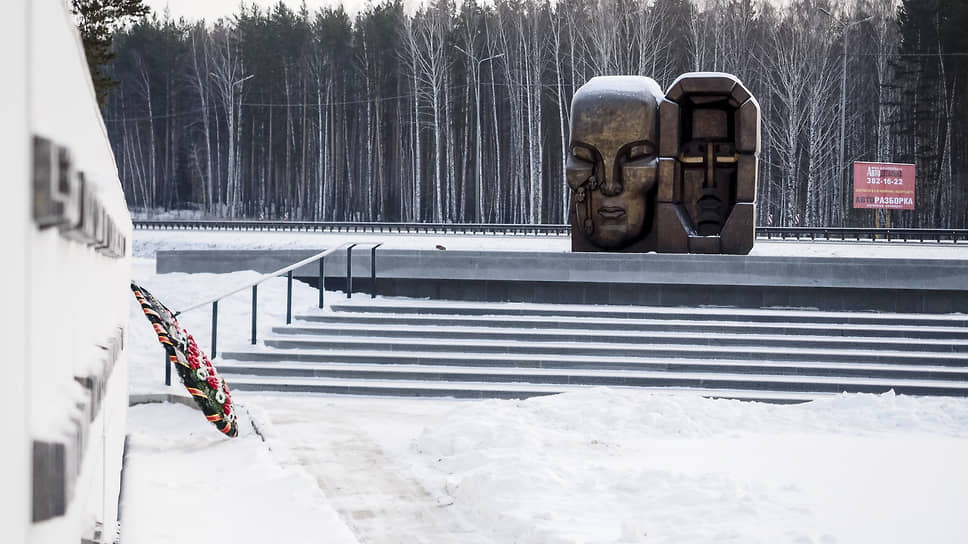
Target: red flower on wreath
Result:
[[193, 360], [212, 381]]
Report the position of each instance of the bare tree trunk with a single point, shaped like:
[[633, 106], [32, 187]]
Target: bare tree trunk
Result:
[[152, 189], [416, 213], [452, 203], [562, 102], [200, 79], [227, 74]]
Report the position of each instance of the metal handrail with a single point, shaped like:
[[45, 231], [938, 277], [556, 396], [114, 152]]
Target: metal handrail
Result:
[[266, 277], [288, 270]]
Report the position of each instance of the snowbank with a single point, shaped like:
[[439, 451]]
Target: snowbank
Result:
[[594, 466], [616, 466]]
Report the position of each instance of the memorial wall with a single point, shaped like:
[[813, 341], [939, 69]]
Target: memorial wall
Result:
[[66, 294]]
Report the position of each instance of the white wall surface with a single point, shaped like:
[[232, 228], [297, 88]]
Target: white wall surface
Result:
[[62, 298], [14, 217]]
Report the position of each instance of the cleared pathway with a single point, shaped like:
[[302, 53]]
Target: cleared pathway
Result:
[[343, 445]]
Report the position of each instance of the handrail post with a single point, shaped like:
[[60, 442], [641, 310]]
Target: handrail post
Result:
[[289, 297], [373, 270], [167, 370], [214, 326], [322, 280], [255, 303], [349, 270]]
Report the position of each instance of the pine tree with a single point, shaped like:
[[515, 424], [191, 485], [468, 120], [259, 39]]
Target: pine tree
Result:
[[934, 74], [97, 21]]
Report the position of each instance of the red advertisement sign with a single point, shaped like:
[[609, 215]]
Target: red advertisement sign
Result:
[[884, 185]]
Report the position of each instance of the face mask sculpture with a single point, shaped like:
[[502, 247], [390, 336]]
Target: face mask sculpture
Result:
[[698, 197], [710, 137], [613, 163]]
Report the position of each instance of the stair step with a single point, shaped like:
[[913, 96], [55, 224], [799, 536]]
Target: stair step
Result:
[[511, 350], [397, 332], [481, 390], [637, 378], [271, 358], [616, 325], [688, 350], [646, 312]]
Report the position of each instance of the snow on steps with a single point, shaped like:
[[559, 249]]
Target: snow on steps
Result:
[[644, 336], [472, 390], [589, 324], [750, 350], [314, 362], [640, 378], [705, 313], [421, 348]]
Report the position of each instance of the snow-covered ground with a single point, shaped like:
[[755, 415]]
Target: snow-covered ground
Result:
[[185, 482], [596, 466], [150, 241], [607, 466]]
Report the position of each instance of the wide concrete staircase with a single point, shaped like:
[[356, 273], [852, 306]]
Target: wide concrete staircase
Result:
[[502, 350]]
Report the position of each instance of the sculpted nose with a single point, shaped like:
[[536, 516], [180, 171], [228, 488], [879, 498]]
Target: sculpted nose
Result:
[[709, 182], [611, 184]]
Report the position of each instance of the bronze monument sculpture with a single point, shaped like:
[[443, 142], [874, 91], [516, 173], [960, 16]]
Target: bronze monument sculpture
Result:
[[672, 174], [613, 164]]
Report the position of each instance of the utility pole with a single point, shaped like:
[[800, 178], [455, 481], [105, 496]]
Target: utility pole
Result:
[[845, 26]]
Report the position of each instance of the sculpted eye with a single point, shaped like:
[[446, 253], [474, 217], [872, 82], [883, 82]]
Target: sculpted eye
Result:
[[583, 153], [640, 151]]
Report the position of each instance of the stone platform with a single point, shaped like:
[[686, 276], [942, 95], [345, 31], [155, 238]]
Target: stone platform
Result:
[[917, 285]]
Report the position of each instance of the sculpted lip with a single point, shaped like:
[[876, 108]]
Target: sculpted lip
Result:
[[611, 212], [709, 202]]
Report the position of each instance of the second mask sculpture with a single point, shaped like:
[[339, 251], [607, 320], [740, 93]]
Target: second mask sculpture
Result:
[[673, 173]]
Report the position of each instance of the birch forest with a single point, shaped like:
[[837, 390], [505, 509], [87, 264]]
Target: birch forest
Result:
[[459, 112]]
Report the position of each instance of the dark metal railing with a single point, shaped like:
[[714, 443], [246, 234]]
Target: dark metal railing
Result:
[[862, 234], [357, 226], [766, 233], [288, 271]]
